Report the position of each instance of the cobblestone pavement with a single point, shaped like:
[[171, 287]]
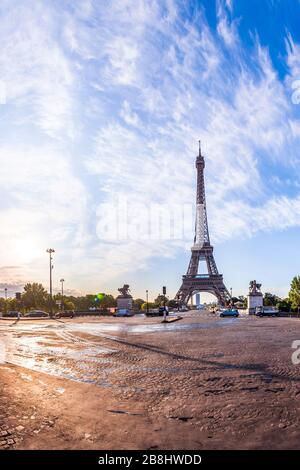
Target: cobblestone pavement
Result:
[[203, 383]]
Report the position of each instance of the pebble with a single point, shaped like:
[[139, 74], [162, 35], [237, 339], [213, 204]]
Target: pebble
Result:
[[19, 428], [282, 425]]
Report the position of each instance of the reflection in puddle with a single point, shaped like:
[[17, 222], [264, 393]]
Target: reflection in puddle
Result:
[[150, 328], [73, 361], [62, 353]]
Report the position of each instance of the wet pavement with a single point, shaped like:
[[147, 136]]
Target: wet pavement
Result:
[[202, 382], [66, 349]]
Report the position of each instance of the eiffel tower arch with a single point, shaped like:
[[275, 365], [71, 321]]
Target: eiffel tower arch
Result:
[[202, 250]]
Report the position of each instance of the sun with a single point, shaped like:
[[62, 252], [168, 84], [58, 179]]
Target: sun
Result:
[[27, 249]]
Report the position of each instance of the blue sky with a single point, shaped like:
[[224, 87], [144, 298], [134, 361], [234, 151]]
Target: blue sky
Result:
[[104, 101]]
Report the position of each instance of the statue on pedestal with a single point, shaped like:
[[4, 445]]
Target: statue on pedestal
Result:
[[124, 300], [124, 291], [255, 298]]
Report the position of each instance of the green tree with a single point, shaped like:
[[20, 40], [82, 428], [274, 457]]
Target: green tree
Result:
[[159, 301], [173, 303], [68, 305], [137, 303], [150, 306], [270, 300], [284, 305], [13, 304], [82, 302], [108, 301], [35, 296], [244, 300], [294, 294], [2, 304]]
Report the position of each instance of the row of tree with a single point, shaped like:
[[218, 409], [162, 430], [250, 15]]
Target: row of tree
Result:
[[35, 296], [288, 304]]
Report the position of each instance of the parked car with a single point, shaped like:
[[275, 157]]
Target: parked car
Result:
[[266, 312], [12, 314], [183, 309], [36, 313], [230, 312], [65, 314], [123, 312], [152, 312], [157, 312]]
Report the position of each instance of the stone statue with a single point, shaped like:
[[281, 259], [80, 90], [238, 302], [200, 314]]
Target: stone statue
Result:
[[125, 291], [124, 300], [254, 287]]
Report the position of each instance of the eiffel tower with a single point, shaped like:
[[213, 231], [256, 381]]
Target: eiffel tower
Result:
[[202, 250]]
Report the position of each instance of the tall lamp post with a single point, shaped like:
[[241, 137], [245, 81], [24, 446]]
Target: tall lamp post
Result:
[[62, 294], [50, 251], [147, 303], [164, 294], [5, 290]]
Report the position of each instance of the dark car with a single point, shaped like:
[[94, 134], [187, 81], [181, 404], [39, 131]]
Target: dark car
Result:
[[157, 312], [12, 314], [36, 314], [65, 314]]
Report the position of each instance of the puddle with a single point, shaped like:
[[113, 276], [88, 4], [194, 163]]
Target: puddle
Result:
[[150, 328], [66, 355]]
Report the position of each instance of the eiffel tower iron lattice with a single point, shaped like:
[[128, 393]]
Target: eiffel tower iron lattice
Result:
[[202, 250]]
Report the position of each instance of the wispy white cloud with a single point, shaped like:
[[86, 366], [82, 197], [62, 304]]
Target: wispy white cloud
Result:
[[43, 202], [229, 4], [239, 111], [129, 116], [226, 27], [125, 90], [34, 68]]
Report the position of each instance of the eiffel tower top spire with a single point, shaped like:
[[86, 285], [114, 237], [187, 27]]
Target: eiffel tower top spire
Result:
[[200, 158], [201, 225]]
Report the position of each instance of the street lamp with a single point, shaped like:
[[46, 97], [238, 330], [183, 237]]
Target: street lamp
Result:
[[62, 294], [164, 294], [5, 291], [147, 305], [50, 251]]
